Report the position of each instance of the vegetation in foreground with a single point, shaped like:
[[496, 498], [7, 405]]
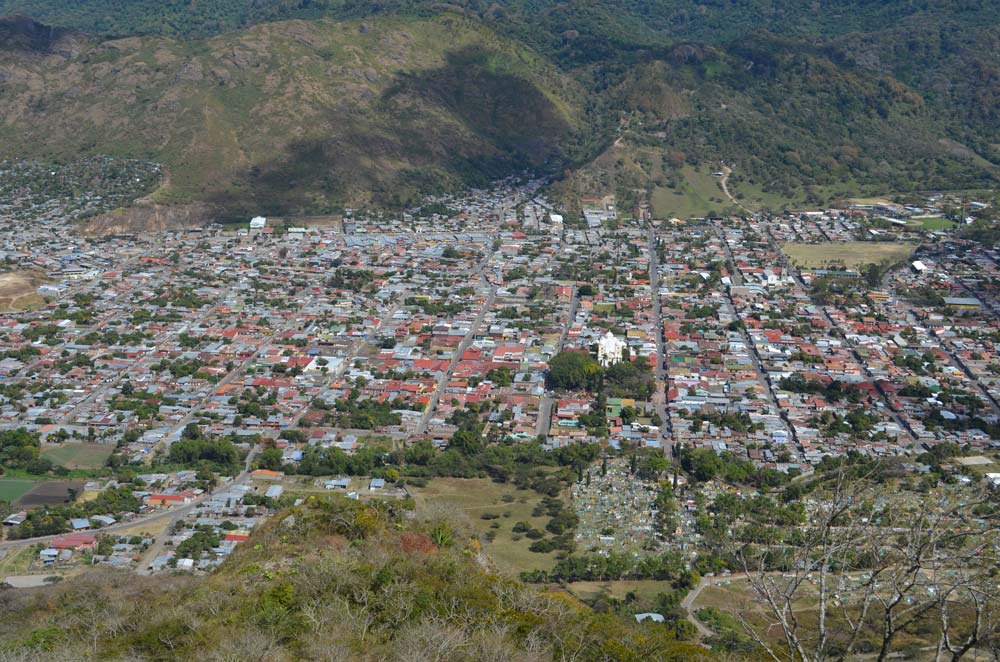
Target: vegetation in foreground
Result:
[[331, 579]]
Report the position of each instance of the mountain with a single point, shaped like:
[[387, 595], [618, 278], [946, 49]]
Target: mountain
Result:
[[329, 580], [308, 105], [294, 115]]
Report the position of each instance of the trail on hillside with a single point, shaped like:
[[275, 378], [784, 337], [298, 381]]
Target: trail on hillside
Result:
[[724, 183]]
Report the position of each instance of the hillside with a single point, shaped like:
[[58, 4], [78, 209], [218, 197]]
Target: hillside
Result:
[[294, 115], [349, 103], [546, 21], [326, 581]]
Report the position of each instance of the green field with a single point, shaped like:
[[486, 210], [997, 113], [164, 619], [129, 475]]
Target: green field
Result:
[[933, 223], [12, 489], [698, 195], [79, 456], [473, 497], [846, 254]]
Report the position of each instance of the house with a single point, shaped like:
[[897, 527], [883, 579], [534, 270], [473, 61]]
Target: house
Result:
[[267, 474], [75, 541], [169, 499], [376, 484], [508, 352], [274, 492], [337, 484], [649, 616], [16, 519]]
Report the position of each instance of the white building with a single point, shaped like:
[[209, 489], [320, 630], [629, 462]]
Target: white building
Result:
[[610, 349], [258, 223]]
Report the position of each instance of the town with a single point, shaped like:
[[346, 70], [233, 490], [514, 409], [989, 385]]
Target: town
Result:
[[164, 393]]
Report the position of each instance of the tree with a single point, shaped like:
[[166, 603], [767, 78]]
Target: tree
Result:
[[270, 458], [574, 370], [873, 566]]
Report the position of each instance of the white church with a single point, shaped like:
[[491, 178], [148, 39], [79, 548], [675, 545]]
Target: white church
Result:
[[610, 349]]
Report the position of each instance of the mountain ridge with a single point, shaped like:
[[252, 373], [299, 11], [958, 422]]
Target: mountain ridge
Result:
[[406, 99], [293, 115]]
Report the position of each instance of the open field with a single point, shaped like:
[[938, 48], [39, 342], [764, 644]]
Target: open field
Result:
[[848, 254], [18, 290], [50, 493], [979, 465], [932, 223], [16, 561], [12, 489], [79, 456], [476, 496], [154, 529], [698, 195], [644, 589], [869, 201], [734, 595]]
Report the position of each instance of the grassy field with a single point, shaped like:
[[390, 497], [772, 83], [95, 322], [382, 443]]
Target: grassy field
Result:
[[933, 223], [849, 254], [79, 456], [644, 589], [12, 489], [698, 194], [474, 497], [16, 561]]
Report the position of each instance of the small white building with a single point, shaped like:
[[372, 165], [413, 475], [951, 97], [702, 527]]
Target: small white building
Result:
[[258, 223], [610, 349]]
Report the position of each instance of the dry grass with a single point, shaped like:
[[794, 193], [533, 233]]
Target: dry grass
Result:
[[156, 529], [645, 589], [476, 496], [847, 254], [18, 290]]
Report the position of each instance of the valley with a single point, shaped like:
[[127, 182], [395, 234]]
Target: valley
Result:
[[519, 330]]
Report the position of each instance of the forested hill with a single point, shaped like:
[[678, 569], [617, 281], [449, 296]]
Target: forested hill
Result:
[[382, 102], [622, 22]]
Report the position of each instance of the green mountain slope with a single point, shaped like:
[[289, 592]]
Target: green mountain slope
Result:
[[546, 21], [331, 580], [296, 115], [381, 102]]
